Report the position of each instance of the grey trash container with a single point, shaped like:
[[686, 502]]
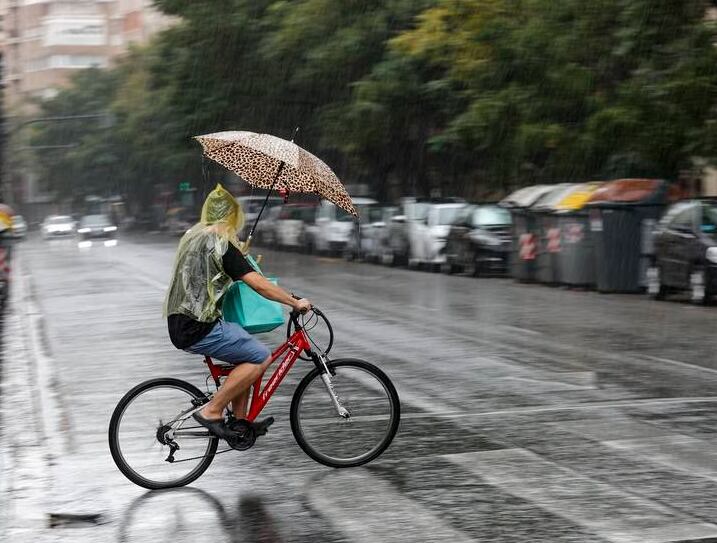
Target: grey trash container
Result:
[[621, 222]]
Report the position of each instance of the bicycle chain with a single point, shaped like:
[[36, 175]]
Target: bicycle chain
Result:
[[198, 457]]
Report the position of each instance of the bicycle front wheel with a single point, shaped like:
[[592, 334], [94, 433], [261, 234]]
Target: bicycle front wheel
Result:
[[154, 440], [374, 412]]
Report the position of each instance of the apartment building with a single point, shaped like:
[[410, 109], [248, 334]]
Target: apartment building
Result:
[[46, 41]]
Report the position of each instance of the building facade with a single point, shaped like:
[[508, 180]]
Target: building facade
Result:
[[45, 41]]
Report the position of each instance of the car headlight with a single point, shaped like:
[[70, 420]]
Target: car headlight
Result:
[[110, 228], [83, 230], [712, 255]]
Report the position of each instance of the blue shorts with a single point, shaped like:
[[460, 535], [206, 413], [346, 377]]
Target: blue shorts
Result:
[[230, 343]]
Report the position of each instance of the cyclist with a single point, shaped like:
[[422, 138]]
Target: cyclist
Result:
[[208, 259]]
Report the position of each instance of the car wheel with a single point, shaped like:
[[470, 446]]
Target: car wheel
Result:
[[655, 288], [698, 286]]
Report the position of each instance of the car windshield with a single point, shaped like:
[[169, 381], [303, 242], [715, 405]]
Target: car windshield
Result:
[[447, 215], [491, 216], [59, 220], [95, 220]]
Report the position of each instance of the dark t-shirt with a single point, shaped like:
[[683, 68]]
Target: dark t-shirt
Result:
[[184, 331]]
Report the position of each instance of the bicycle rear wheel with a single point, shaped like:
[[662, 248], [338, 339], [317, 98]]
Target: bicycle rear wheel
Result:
[[148, 422], [374, 414]]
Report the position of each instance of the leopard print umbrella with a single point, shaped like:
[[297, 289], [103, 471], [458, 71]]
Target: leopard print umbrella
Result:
[[257, 158]]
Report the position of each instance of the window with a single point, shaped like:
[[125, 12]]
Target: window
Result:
[[709, 218], [75, 30], [684, 220], [491, 216]]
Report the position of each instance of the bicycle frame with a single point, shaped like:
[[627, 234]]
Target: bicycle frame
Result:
[[297, 343]]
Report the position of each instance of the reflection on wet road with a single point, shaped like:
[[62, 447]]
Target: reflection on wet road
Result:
[[530, 413]]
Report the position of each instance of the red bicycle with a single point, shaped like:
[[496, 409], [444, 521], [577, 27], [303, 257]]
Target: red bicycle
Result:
[[344, 413]]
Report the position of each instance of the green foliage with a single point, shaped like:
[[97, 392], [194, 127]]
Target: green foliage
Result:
[[471, 96]]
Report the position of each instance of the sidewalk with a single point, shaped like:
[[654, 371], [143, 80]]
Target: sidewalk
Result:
[[25, 450]]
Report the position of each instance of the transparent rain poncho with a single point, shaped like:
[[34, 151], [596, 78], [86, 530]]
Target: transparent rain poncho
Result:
[[198, 280]]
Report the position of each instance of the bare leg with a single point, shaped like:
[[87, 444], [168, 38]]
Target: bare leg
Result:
[[238, 382], [240, 404]]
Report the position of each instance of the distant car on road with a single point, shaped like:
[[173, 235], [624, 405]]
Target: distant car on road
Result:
[[19, 226], [96, 226], [427, 237], [686, 251], [479, 241], [57, 226]]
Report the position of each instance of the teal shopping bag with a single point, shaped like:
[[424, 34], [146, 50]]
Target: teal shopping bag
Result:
[[249, 309]]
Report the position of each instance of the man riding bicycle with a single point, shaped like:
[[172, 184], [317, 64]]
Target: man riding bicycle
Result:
[[208, 260]]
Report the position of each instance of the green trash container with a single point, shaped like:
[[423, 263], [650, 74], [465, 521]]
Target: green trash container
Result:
[[524, 231], [622, 215]]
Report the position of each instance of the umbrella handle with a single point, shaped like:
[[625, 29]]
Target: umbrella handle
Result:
[[273, 184]]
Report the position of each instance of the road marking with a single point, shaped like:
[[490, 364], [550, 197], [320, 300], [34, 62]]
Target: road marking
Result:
[[374, 511], [680, 452], [598, 507], [588, 406], [676, 363], [519, 329]]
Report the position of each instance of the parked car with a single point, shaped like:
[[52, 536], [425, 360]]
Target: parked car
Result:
[[251, 206], [19, 226], [57, 226], [266, 231], [96, 226], [686, 251], [479, 241], [333, 226], [427, 237], [411, 212], [369, 241], [291, 225]]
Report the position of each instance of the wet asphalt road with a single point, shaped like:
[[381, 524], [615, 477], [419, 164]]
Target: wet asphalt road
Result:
[[529, 413]]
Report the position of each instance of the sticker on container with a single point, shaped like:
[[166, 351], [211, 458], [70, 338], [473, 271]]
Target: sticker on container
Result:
[[595, 222], [574, 232]]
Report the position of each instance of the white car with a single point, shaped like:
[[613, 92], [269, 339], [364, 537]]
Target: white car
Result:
[[251, 206], [290, 226], [57, 225], [333, 226], [373, 234], [19, 226], [427, 237]]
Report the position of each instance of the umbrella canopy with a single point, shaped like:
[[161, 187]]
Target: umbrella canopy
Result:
[[268, 162]]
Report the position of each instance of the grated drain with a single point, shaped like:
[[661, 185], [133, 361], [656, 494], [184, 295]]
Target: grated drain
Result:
[[67, 520]]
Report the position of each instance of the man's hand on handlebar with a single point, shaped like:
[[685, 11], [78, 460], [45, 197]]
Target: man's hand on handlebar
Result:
[[302, 305]]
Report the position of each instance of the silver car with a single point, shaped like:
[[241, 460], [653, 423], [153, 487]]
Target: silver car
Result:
[[57, 226]]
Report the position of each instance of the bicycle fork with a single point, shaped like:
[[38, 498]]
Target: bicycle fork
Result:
[[326, 378]]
